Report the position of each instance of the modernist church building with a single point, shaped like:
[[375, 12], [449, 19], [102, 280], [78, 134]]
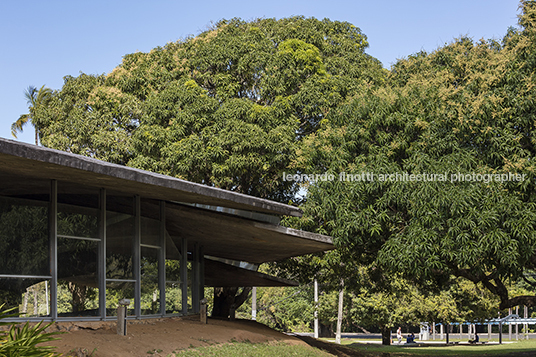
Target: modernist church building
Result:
[[78, 234]]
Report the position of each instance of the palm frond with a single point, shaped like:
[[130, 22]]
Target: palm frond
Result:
[[17, 126]]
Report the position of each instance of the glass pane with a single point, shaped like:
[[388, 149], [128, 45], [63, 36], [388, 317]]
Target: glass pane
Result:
[[173, 247], [76, 194], [78, 291], [78, 221], [173, 271], [150, 208], [190, 280], [76, 300], [30, 297], [150, 294], [119, 202], [116, 291], [119, 245], [150, 231], [24, 241], [173, 298]]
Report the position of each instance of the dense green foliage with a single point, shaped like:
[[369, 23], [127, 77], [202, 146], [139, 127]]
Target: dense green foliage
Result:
[[243, 102], [35, 98], [464, 109], [224, 108]]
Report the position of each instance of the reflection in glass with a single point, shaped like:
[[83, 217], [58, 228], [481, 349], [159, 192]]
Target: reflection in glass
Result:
[[189, 288], [173, 298], [29, 297], [173, 275], [116, 291], [77, 277], [78, 221], [119, 245], [150, 231], [150, 293], [24, 242]]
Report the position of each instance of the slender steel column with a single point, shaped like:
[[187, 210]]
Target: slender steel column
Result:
[[53, 237], [102, 254], [316, 308], [195, 279], [162, 259], [201, 272], [136, 259], [184, 275]]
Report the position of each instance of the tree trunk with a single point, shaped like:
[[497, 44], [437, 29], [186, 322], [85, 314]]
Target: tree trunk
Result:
[[386, 336], [339, 314], [36, 311], [325, 330], [25, 303], [78, 293], [225, 298]]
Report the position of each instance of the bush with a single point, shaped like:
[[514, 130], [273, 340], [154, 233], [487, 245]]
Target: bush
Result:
[[23, 341]]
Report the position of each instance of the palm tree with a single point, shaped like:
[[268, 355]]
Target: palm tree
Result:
[[34, 98]]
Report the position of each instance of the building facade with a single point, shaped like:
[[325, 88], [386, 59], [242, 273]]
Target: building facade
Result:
[[77, 235]]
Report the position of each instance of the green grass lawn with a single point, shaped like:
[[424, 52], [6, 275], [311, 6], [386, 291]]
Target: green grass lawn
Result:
[[453, 350], [252, 349], [283, 350]]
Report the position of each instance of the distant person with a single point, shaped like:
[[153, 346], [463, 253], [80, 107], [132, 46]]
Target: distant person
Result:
[[411, 338], [476, 340], [399, 335]]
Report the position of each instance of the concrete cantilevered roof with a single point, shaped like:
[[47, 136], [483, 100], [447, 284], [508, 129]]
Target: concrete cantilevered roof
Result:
[[30, 160], [221, 234], [238, 238], [220, 274]]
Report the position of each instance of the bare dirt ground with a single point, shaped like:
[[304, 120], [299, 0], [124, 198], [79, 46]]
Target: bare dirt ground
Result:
[[160, 337], [163, 335]]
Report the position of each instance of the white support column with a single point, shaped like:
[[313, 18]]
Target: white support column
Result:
[[316, 308], [441, 331], [489, 331], [254, 303], [509, 326], [517, 325], [339, 314], [526, 326]]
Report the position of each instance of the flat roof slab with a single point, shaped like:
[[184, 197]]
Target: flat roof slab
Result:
[[32, 160]]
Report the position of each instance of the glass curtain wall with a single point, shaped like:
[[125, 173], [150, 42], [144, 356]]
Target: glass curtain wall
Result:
[[25, 251], [24, 256], [69, 251], [78, 242], [120, 252]]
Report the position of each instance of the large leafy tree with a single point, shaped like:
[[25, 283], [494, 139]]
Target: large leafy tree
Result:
[[464, 109], [35, 99], [227, 108], [224, 108]]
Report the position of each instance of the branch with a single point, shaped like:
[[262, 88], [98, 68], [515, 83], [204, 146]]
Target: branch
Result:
[[531, 283], [527, 300]]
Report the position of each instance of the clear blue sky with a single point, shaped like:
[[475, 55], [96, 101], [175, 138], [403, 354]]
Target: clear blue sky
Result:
[[42, 41]]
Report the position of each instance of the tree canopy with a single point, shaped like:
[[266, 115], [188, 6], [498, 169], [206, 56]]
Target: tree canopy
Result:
[[34, 98], [461, 121], [432, 161], [225, 108]]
